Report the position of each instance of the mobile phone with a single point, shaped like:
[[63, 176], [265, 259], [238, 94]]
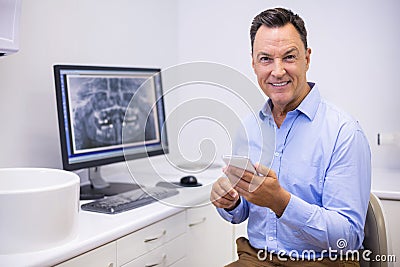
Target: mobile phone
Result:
[[241, 162]]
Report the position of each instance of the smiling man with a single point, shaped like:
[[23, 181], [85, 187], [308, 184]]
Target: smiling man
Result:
[[309, 208], [280, 61]]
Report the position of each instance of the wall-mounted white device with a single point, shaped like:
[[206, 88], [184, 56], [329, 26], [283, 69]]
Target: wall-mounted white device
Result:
[[10, 12], [389, 139]]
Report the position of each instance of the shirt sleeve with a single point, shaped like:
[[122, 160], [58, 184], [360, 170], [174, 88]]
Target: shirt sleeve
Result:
[[339, 222], [238, 214]]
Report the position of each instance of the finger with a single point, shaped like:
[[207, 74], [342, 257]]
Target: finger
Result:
[[225, 203], [229, 192], [250, 177], [224, 188], [235, 171], [216, 199], [261, 169], [264, 170], [256, 183], [232, 177], [222, 201], [249, 187], [247, 181], [253, 180], [242, 184], [242, 192], [239, 173]]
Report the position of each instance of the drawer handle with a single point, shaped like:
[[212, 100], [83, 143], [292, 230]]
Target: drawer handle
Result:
[[157, 237], [196, 223], [164, 257]]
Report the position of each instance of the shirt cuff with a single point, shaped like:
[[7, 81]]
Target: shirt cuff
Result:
[[299, 209], [232, 214]]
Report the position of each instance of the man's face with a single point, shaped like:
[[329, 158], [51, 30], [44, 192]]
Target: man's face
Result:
[[280, 62]]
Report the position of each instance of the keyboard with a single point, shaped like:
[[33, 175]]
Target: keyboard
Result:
[[129, 200]]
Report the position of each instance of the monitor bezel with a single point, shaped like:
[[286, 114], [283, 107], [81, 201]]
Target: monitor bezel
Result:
[[58, 68]]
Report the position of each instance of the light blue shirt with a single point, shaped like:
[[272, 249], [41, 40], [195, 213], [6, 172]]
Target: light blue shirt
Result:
[[322, 157]]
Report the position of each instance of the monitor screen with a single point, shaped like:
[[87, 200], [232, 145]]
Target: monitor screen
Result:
[[109, 114]]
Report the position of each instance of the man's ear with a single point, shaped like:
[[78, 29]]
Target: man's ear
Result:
[[308, 58], [252, 62]]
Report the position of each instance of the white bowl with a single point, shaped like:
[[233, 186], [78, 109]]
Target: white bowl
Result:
[[38, 209]]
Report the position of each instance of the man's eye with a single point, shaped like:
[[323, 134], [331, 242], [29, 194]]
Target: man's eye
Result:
[[290, 58], [265, 59]]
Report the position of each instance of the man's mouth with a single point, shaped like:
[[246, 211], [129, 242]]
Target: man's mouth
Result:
[[279, 84]]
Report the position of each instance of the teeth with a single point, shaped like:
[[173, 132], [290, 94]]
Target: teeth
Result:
[[280, 84]]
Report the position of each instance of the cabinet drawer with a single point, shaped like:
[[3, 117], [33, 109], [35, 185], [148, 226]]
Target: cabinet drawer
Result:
[[142, 241], [210, 235], [104, 256], [167, 255], [197, 217], [180, 263]]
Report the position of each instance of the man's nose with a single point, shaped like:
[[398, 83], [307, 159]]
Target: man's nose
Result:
[[278, 69]]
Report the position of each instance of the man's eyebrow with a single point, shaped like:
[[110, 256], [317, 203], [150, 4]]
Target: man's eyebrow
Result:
[[291, 50], [263, 54]]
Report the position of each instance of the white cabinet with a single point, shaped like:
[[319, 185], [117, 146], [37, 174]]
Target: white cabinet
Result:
[[104, 256], [392, 212], [238, 231], [166, 255], [209, 238], [160, 244], [195, 237]]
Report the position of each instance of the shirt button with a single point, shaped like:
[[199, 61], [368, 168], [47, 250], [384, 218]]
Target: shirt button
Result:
[[277, 154], [270, 238]]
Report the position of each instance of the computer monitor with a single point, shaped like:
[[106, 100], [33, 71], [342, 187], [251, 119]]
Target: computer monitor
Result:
[[108, 115]]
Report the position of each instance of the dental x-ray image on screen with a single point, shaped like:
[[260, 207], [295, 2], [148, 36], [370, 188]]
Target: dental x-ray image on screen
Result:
[[98, 107], [109, 114]]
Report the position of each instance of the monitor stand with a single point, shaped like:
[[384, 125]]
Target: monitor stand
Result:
[[99, 188]]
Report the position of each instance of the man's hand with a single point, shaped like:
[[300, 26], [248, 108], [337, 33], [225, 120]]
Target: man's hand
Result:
[[223, 195], [263, 190]]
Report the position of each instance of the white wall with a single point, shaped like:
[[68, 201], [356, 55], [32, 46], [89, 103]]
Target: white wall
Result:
[[354, 58], [118, 32]]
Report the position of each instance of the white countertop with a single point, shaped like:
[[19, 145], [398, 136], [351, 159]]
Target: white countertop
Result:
[[96, 229], [386, 183]]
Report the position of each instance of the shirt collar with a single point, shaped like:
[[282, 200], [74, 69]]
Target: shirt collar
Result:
[[308, 106]]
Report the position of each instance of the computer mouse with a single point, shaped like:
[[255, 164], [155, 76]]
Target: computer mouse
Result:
[[189, 180]]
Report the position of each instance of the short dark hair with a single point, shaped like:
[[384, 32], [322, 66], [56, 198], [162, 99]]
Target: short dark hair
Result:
[[275, 18]]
